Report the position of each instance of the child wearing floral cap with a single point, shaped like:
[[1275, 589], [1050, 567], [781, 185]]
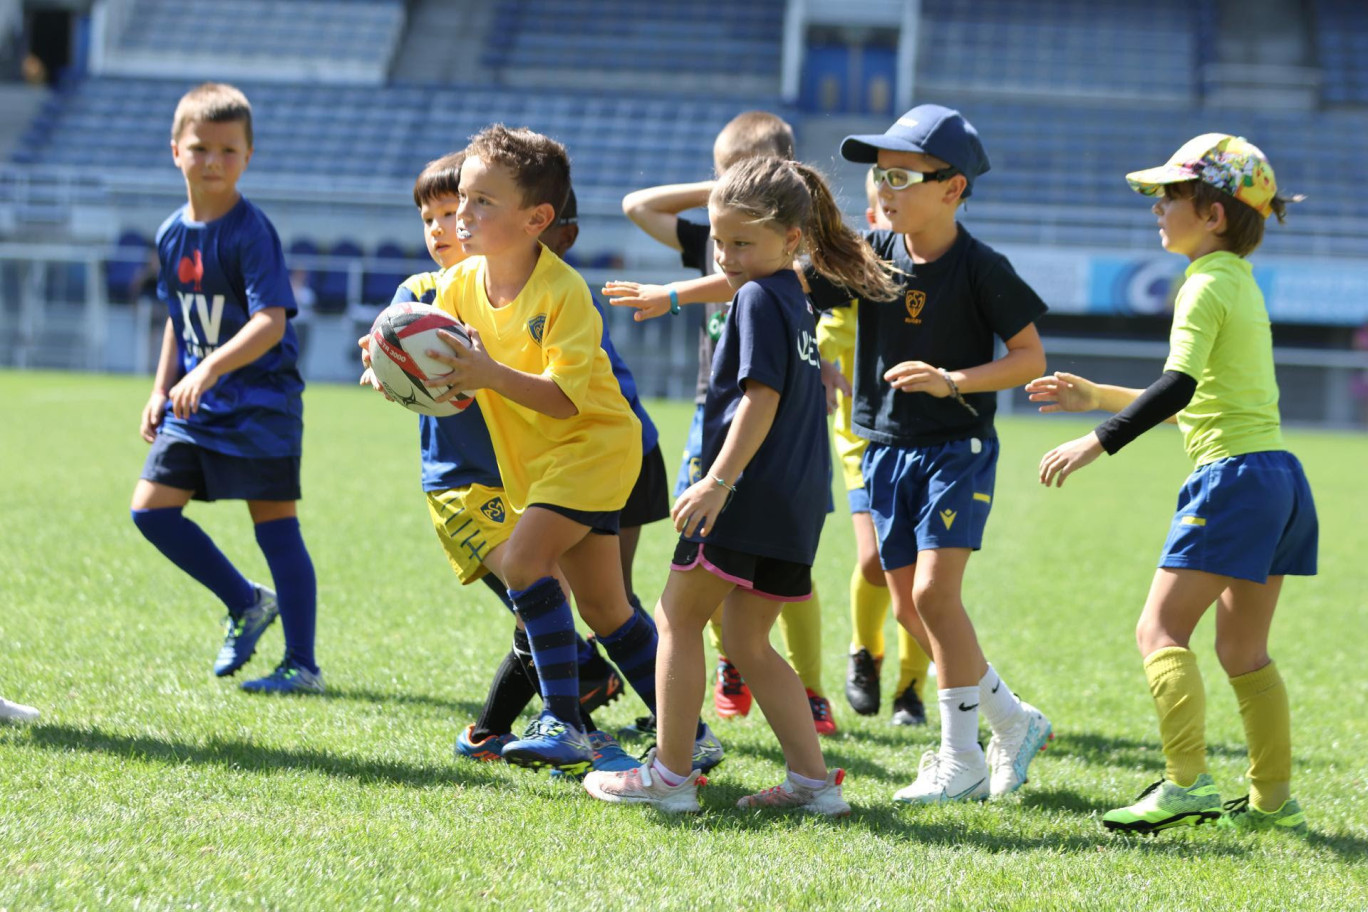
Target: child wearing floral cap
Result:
[[1245, 516]]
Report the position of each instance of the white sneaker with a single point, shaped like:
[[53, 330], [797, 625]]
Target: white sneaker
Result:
[[640, 786], [17, 712], [1011, 751], [945, 778], [825, 799]]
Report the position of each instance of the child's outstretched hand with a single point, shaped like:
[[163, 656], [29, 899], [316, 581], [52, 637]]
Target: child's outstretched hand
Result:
[[649, 300], [699, 506], [1067, 458], [471, 367], [1064, 393], [152, 415]]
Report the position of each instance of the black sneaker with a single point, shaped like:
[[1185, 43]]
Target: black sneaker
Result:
[[599, 683], [908, 708], [643, 728], [862, 683]]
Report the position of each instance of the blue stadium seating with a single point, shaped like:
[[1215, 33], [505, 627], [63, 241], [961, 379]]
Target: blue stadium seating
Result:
[[1341, 32]]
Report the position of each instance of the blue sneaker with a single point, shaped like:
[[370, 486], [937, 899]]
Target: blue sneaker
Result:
[[608, 755], [550, 742], [708, 751], [490, 750], [288, 678], [242, 632]]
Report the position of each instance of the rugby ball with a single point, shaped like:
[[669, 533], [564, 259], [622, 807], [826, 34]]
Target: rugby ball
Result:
[[401, 338]]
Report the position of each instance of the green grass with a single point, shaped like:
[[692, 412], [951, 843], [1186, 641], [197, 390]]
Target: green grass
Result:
[[149, 784]]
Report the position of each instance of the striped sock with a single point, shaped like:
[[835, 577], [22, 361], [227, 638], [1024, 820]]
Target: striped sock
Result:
[[551, 633], [632, 647]]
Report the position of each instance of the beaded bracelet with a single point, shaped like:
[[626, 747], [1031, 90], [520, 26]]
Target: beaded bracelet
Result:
[[955, 393], [674, 301]]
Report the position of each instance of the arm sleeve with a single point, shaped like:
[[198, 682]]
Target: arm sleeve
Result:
[[1009, 302], [693, 244], [265, 280], [571, 340], [420, 288], [763, 337], [1163, 399], [1198, 312]]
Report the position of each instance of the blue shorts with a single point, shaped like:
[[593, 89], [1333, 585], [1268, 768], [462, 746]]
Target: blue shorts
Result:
[[930, 497], [1249, 517], [858, 498], [598, 523], [178, 463], [691, 466]]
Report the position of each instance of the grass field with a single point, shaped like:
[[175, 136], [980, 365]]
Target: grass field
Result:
[[149, 784]]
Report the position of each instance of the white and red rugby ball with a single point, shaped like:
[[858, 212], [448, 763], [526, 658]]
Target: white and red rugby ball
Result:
[[401, 337]]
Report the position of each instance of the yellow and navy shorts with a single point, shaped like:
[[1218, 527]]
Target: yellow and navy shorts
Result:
[[471, 521]]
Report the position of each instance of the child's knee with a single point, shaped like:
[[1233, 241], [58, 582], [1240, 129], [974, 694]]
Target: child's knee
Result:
[[523, 565], [1239, 657], [872, 570]]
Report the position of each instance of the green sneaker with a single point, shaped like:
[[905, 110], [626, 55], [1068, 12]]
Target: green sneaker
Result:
[[1243, 817], [1165, 805]]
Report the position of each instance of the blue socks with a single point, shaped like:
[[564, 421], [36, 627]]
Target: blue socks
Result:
[[497, 587], [551, 631], [632, 647], [188, 547], [296, 589]]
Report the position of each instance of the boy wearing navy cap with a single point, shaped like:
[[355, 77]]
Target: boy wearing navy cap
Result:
[[925, 378]]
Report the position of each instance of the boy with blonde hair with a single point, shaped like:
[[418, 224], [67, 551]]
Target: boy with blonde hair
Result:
[[1245, 516], [225, 418]]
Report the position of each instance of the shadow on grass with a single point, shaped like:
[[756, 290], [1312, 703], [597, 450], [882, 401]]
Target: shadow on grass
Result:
[[250, 757], [1108, 750], [835, 757], [461, 709]]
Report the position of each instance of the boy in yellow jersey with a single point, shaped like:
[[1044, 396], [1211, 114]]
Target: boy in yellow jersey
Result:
[[1245, 517], [658, 212], [567, 443], [869, 598]]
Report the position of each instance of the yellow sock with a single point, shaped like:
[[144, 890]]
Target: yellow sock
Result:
[[801, 626], [868, 611], [913, 663], [715, 632], [1175, 682], [1268, 730]]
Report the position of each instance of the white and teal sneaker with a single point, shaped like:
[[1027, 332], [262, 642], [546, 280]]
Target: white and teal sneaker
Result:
[[943, 778], [17, 712]]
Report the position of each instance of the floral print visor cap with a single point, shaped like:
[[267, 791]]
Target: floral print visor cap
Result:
[[1229, 163]]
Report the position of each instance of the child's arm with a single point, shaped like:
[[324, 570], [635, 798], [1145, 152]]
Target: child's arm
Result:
[[654, 300], [655, 210], [167, 369], [262, 332], [472, 368], [700, 505], [1025, 358], [1065, 392]]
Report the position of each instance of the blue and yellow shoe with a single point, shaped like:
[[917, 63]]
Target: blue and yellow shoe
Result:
[[608, 755], [1241, 816], [549, 742], [289, 677], [708, 751], [242, 632], [1165, 804], [488, 750]]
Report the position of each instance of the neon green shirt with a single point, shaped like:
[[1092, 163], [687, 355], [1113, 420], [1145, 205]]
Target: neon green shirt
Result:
[[1221, 336]]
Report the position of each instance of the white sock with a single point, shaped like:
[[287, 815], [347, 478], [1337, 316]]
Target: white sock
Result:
[[659, 770], [805, 781], [959, 712], [1001, 707]]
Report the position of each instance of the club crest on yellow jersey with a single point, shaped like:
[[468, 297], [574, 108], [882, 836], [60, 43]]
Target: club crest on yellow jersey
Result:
[[536, 326]]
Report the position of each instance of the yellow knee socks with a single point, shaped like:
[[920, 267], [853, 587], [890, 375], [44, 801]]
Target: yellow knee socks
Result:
[[1175, 682], [800, 623], [868, 610], [1268, 730]]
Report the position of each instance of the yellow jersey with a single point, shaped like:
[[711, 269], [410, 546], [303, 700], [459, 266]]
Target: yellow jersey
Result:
[[589, 461]]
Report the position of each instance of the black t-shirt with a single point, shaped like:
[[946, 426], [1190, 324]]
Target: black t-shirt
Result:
[[696, 252], [781, 499], [948, 314]]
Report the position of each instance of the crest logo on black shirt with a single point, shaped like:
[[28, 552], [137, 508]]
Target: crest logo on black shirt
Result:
[[535, 326], [914, 302]]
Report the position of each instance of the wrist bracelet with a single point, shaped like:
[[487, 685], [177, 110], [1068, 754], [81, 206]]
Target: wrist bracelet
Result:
[[723, 484], [955, 393], [674, 302]]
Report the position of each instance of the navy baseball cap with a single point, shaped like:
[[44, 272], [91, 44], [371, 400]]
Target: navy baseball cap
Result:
[[932, 130]]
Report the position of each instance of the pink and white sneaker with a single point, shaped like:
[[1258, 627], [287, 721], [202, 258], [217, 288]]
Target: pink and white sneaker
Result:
[[790, 794], [640, 786]]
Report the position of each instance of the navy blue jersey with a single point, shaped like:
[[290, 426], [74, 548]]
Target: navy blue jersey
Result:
[[947, 314], [456, 449], [214, 277], [770, 337]]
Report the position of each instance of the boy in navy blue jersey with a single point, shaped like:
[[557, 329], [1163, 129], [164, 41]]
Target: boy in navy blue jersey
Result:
[[225, 418], [925, 378]]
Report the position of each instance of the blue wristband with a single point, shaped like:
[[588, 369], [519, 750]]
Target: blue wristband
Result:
[[674, 301]]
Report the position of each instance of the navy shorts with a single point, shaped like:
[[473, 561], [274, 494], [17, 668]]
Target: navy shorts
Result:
[[858, 499], [650, 497], [925, 498], [691, 465], [1248, 517], [767, 577], [217, 476], [598, 523]]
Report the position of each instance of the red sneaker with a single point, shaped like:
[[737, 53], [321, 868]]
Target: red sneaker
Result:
[[821, 713], [731, 696]]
